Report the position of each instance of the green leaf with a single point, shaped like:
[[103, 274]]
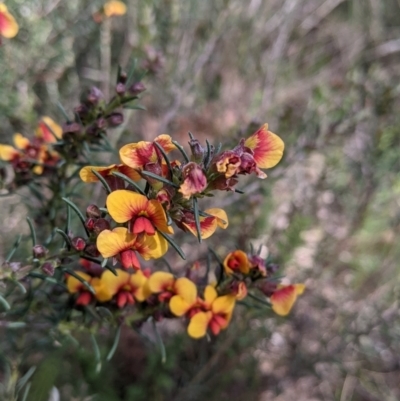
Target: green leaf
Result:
[[65, 236], [97, 355], [160, 342], [115, 344], [102, 180], [14, 248], [5, 304], [173, 244], [78, 212], [129, 181], [158, 178], [135, 107], [180, 148], [197, 218]]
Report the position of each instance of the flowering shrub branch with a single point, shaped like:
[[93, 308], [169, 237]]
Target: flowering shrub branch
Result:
[[156, 188]]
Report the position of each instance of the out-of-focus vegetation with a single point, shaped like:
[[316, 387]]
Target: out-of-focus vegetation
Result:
[[324, 74]]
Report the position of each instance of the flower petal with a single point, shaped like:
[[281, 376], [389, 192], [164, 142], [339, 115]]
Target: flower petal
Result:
[[114, 7], [186, 289], [221, 216], [179, 306], [136, 155], [8, 152], [158, 217], [267, 147], [48, 130], [284, 297], [160, 281], [111, 243], [87, 175], [210, 294], [8, 26], [236, 261], [123, 205], [138, 282], [74, 285], [198, 324], [224, 304], [20, 141]]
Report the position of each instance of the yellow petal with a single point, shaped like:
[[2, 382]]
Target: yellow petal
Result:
[[114, 7], [186, 289], [8, 26], [160, 281], [221, 216], [224, 304], [8, 152], [210, 294], [138, 281], [20, 141], [87, 175], [74, 285], [267, 147], [111, 243], [284, 297], [123, 205], [179, 306], [198, 324]]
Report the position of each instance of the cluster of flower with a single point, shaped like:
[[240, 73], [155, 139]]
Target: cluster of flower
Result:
[[162, 295], [33, 155], [142, 224]]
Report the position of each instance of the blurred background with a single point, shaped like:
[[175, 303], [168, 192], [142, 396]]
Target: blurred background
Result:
[[325, 75]]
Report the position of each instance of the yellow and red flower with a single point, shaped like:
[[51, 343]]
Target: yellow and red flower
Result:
[[284, 297], [216, 314], [8, 26], [76, 286], [114, 182], [125, 287], [266, 146], [144, 215], [48, 130], [166, 286], [137, 155], [236, 261], [120, 242], [208, 224]]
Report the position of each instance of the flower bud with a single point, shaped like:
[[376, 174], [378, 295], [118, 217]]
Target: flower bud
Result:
[[78, 243], [71, 128], [93, 211], [195, 181], [122, 77], [272, 268], [257, 263], [137, 88], [100, 225], [115, 119], [48, 269], [91, 249], [89, 223], [101, 123], [267, 288], [197, 150], [120, 88], [94, 96], [39, 251]]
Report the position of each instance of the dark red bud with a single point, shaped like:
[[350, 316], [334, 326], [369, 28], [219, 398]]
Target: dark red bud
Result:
[[122, 77], [267, 288], [101, 123], [93, 211], [71, 128], [101, 225], [197, 150], [137, 88], [120, 88], [48, 269], [89, 223], [78, 243], [115, 119], [94, 95], [91, 249], [39, 251]]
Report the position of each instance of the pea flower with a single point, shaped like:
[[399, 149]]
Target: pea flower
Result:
[[216, 314], [121, 243], [236, 261], [137, 155], [76, 286], [125, 287], [143, 215], [284, 297], [166, 286]]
